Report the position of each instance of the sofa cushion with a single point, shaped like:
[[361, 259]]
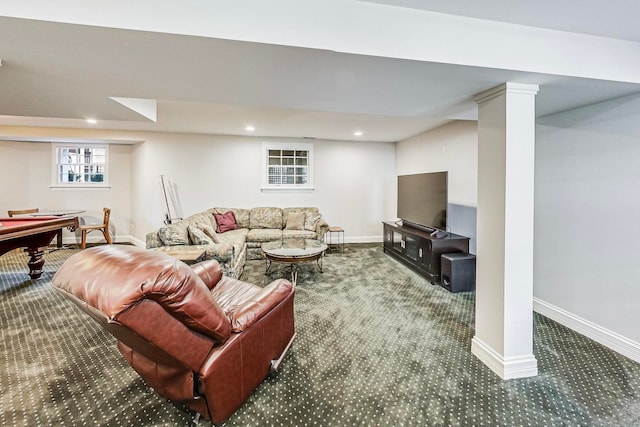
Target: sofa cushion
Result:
[[242, 215], [264, 235], [226, 221], [236, 238], [265, 217], [295, 221], [222, 252], [198, 237], [174, 234], [299, 234]]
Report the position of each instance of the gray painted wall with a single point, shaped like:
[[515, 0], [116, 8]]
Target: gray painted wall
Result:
[[587, 216], [462, 220], [452, 148]]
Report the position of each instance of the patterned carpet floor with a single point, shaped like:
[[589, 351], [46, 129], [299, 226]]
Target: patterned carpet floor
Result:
[[376, 345]]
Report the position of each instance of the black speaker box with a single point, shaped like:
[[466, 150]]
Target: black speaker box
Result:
[[458, 272]]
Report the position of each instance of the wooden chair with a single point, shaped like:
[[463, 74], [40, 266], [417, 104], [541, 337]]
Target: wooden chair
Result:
[[22, 212], [104, 228]]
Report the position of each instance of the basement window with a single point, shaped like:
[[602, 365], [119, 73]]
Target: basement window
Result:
[[287, 166], [80, 166]]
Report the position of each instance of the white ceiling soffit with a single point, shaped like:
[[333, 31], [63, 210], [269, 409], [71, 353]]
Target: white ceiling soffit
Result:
[[616, 19], [616, 117], [69, 140], [144, 107], [354, 27]]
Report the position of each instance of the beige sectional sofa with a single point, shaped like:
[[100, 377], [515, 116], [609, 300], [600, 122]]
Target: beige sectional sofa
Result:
[[254, 227]]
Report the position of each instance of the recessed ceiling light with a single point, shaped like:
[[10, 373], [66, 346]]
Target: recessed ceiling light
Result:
[[249, 128], [92, 121], [357, 133]]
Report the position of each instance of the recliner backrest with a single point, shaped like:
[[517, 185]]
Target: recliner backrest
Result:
[[115, 279]]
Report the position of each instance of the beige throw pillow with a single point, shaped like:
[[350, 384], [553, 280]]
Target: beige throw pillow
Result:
[[295, 221]]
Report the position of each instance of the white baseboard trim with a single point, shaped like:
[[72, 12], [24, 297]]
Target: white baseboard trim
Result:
[[604, 336], [506, 367], [137, 242], [362, 239], [99, 238]]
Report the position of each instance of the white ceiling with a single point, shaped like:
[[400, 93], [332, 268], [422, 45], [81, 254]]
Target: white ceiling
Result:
[[617, 19], [57, 74]]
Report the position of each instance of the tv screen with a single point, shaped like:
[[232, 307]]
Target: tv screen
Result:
[[422, 199]]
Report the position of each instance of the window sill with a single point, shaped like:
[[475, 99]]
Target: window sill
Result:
[[285, 189], [80, 187]]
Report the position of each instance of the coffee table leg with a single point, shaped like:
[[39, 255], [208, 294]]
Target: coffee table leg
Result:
[[268, 262], [294, 273]]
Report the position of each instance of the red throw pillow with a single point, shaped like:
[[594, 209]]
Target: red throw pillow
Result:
[[225, 221]]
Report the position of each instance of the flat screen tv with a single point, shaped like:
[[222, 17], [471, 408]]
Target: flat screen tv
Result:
[[422, 200]]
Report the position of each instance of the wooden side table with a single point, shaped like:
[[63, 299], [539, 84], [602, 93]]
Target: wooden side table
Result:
[[340, 238]]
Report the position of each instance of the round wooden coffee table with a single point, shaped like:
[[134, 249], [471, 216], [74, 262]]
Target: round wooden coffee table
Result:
[[294, 252]]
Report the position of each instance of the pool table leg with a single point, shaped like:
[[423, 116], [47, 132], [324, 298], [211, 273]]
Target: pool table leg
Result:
[[36, 261]]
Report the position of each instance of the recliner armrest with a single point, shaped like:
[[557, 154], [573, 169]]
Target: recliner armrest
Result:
[[209, 271], [251, 311]]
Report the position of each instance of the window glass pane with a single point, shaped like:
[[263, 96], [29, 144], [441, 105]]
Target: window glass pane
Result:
[[80, 164], [288, 167]]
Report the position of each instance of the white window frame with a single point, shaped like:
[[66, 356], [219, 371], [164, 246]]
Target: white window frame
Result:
[[296, 146], [55, 149]]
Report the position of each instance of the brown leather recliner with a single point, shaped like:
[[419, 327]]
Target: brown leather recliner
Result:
[[196, 337]]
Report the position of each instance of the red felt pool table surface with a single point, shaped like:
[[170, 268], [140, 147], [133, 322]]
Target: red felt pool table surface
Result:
[[34, 234]]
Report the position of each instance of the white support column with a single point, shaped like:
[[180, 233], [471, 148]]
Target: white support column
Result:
[[504, 287]]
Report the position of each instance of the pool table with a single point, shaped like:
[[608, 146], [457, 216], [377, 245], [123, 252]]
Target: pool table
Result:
[[33, 234]]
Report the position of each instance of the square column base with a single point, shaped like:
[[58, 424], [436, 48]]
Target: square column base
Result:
[[506, 367]]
